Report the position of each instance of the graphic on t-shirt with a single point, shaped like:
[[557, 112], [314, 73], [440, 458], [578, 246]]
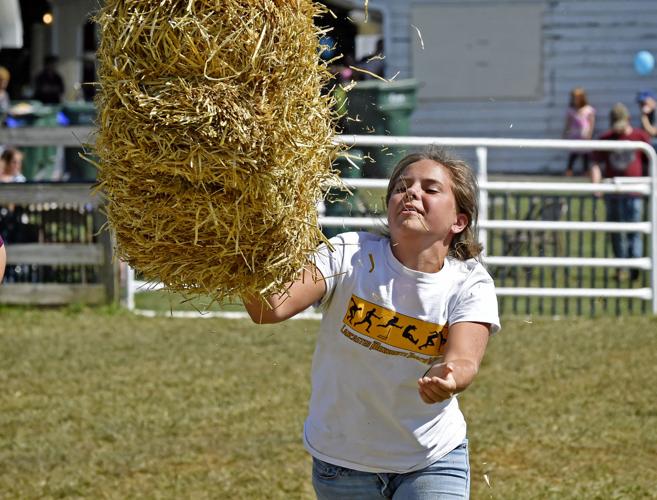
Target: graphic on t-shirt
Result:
[[353, 309], [395, 329], [407, 333], [368, 319], [621, 159], [391, 323], [433, 336]]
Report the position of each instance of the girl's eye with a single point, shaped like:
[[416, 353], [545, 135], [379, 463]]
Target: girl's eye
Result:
[[400, 188]]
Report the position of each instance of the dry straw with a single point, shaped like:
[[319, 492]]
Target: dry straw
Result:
[[214, 140]]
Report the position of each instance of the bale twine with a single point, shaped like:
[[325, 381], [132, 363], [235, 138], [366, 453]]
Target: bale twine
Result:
[[214, 140]]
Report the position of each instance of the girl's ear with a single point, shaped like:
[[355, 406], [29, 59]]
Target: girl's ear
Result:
[[460, 224]]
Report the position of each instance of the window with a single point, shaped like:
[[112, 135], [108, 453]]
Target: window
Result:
[[477, 51]]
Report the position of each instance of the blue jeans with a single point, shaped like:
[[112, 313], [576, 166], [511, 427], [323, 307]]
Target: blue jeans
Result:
[[625, 209], [448, 478]]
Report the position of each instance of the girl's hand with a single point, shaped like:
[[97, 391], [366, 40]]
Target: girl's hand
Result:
[[438, 384]]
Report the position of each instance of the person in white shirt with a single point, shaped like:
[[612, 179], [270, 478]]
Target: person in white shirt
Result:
[[406, 320]]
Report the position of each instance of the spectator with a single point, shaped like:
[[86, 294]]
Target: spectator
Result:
[[626, 163], [373, 63], [5, 103], [11, 166], [49, 85], [580, 122], [647, 102]]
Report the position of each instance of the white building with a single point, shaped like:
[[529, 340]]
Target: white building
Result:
[[486, 69]]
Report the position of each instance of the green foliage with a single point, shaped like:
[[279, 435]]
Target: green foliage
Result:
[[103, 404]]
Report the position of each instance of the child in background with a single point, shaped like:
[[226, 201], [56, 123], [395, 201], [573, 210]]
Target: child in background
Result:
[[11, 166], [580, 123], [647, 102], [384, 421]]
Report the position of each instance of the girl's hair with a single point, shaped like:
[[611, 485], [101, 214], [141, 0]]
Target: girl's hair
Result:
[[578, 98], [9, 153], [464, 245]]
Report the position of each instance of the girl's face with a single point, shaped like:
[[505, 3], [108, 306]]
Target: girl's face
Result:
[[15, 165], [422, 203], [648, 105], [577, 100]]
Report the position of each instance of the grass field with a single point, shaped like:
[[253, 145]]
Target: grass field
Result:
[[103, 404]]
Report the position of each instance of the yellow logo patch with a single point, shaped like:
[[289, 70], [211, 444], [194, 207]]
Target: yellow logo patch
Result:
[[395, 329]]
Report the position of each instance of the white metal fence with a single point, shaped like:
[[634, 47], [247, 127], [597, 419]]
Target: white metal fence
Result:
[[647, 187]]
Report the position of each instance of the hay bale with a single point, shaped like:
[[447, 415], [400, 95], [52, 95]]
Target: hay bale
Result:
[[214, 140]]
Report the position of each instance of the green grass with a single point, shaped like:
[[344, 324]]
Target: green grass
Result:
[[163, 300], [103, 404]]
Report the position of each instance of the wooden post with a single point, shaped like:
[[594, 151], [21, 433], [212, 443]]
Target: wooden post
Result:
[[109, 270]]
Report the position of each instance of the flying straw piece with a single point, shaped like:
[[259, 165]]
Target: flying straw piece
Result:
[[374, 75], [419, 34]]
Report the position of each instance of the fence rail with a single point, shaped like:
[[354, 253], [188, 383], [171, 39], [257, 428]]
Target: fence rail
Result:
[[56, 253], [74, 136], [513, 265], [644, 186]]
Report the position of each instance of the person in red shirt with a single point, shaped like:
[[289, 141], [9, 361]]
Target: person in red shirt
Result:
[[626, 163]]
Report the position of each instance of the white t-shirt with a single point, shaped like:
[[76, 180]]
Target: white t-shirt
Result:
[[383, 326]]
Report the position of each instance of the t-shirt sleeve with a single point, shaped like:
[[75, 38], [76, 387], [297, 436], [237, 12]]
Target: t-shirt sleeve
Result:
[[476, 301], [328, 261]]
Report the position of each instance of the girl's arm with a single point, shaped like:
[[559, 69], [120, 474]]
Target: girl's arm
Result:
[[566, 126], [591, 125], [465, 349], [305, 291], [647, 126]]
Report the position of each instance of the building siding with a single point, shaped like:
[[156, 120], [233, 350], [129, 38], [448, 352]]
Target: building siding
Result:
[[584, 43]]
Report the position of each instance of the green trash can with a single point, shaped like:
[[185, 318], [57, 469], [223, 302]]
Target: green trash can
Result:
[[79, 169], [35, 114], [382, 108], [339, 203]]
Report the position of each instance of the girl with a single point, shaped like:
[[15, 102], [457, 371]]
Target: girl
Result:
[[580, 123], [647, 102], [406, 320], [11, 166]]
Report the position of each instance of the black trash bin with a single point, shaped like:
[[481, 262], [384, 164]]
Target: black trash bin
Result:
[[381, 108], [77, 168], [340, 203]]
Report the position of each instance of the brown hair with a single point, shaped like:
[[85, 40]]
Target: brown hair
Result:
[[578, 98], [464, 245], [9, 153], [4, 74]]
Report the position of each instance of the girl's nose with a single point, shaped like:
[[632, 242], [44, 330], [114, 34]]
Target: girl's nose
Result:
[[411, 193]]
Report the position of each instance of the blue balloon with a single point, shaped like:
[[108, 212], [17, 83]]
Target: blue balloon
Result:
[[644, 62]]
